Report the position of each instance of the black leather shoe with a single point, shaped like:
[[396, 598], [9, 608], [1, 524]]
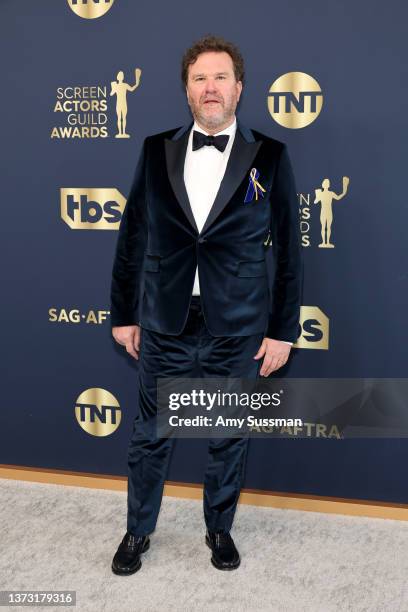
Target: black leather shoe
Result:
[[127, 558], [225, 556]]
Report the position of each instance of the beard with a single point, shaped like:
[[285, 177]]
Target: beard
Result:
[[214, 120]]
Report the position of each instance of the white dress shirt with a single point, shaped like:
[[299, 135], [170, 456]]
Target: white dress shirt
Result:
[[203, 173]]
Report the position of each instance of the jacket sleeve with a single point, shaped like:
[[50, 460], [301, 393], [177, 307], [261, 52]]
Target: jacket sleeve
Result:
[[130, 248], [286, 292]]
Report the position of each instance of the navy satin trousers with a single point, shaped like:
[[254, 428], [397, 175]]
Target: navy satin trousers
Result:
[[163, 355]]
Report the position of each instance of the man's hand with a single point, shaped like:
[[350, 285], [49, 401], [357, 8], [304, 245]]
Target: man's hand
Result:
[[276, 355], [128, 336]]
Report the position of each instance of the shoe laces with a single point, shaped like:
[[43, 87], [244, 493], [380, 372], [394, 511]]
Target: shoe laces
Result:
[[131, 541]]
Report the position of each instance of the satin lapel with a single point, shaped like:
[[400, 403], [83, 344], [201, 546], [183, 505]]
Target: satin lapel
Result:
[[239, 163], [175, 156], [243, 152]]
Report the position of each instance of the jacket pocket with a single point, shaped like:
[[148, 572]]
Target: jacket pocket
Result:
[[252, 268], [152, 263]]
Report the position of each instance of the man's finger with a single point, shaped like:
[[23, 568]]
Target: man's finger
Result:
[[279, 363], [131, 350], [271, 364], [275, 365], [265, 365], [262, 350]]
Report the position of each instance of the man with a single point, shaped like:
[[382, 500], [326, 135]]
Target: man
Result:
[[190, 284]]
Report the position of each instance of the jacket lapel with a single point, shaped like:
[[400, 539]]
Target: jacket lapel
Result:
[[175, 149], [243, 152]]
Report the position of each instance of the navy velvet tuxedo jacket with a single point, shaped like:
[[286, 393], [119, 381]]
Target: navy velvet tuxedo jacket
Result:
[[159, 245]]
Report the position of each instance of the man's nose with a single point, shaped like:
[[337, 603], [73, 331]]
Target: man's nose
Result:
[[210, 85]]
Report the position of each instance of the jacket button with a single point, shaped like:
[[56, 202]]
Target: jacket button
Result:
[[201, 240]]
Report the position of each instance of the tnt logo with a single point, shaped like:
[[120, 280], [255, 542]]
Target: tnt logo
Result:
[[98, 412], [90, 9], [92, 208], [314, 326], [295, 100]]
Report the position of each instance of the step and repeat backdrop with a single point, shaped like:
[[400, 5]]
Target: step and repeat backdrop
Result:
[[83, 83]]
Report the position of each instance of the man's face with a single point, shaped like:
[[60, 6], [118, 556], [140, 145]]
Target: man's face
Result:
[[212, 91]]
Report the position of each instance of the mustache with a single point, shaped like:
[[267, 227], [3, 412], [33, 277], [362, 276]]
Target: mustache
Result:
[[212, 99]]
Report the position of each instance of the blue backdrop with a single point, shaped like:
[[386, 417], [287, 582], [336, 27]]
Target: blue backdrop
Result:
[[357, 54]]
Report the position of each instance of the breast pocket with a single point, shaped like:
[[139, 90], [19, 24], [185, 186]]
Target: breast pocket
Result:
[[252, 268]]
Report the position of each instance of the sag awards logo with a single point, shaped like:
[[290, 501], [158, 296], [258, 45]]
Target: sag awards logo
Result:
[[314, 326], [295, 100], [74, 315], [82, 111], [92, 208], [324, 197], [90, 9], [98, 412]]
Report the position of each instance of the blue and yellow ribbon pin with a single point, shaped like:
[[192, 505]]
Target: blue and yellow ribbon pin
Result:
[[253, 187]]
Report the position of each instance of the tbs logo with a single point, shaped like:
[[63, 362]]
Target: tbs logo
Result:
[[92, 208], [314, 329]]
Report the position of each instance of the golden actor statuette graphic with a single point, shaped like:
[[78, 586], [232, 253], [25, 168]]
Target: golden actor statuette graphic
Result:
[[325, 198], [119, 89]]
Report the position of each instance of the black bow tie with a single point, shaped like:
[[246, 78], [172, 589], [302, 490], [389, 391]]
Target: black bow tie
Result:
[[200, 139]]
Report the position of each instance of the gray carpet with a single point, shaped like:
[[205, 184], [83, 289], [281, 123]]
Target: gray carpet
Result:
[[60, 537]]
